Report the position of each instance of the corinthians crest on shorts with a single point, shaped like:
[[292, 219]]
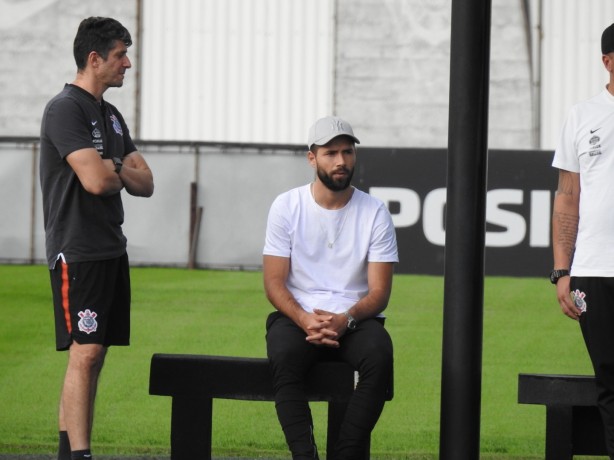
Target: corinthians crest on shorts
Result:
[[87, 323], [578, 298]]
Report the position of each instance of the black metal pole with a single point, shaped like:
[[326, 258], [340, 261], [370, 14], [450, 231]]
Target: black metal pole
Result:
[[461, 381]]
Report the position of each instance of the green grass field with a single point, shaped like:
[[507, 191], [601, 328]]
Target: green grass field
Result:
[[223, 313]]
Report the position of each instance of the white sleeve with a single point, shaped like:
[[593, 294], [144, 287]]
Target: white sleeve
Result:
[[383, 246], [277, 239], [565, 155]]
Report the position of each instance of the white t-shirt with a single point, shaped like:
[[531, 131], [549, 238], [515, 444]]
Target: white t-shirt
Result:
[[587, 147], [329, 249]]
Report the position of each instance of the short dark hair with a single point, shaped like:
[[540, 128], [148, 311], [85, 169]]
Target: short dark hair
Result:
[[98, 34], [607, 40]]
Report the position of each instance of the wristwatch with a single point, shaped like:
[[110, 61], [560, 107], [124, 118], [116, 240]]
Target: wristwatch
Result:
[[352, 323], [118, 164], [555, 275]]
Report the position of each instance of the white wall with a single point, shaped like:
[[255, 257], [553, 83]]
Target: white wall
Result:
[[236, 186], [571, 58], [235, 70], [262, 70], [36, 57]]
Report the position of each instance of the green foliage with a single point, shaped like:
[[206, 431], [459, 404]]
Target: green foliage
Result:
[[223, 313]]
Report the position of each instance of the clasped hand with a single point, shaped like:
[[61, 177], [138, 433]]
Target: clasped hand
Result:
[[324, 328], [568, 306]]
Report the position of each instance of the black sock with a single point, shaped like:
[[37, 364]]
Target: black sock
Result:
[[81, 454], [64, 447]]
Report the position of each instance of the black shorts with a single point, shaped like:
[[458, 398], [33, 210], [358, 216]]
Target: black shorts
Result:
[[92, 302]]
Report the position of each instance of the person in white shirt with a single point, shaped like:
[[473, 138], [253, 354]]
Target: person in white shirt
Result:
[[328, 264], [583, 230]]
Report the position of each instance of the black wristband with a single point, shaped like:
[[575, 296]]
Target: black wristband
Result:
[[118, 164]]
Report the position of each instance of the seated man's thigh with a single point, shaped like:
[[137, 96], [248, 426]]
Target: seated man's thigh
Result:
[[286, 341], [369, 342]]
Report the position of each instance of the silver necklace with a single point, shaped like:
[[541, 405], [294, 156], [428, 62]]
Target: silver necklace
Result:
[[321, 216]]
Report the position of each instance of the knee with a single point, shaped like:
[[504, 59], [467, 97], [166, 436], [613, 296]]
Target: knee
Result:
[[378, 361], [378, 351], [88, 357]]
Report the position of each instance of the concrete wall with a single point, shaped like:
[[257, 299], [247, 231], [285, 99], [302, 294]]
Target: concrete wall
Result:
[[391, 68], [393, 72], [36, 57], [235, 188]]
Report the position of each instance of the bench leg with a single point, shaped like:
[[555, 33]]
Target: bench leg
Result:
[[191, 422], [559, 445], [336, 413]]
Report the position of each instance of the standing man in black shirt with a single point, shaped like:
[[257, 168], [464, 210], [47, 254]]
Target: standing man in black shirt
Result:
[[87, 158]]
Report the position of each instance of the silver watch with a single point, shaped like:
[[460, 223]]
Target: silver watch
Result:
[[352, 323]]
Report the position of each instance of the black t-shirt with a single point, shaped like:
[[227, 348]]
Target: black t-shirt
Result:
[[80, 226]]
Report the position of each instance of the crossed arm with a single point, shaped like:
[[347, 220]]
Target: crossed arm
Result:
[[323, 327], [98, 176], [565, 219]]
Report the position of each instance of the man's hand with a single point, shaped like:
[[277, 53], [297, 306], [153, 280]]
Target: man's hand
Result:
[[325, 328], [563, 293]]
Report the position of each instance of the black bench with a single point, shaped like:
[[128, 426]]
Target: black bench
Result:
[[573, 422], [194, 380]]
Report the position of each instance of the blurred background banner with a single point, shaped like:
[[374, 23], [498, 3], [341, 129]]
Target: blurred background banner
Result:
[[520, 187]]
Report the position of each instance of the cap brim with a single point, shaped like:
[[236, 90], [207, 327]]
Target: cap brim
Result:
[[326, 140]]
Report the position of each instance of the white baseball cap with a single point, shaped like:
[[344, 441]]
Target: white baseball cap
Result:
[[326, 129]]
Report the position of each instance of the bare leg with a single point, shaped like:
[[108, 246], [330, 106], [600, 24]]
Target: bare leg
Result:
[[79, 392]]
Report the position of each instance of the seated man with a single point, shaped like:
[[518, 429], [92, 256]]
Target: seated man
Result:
[[328, 263]]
